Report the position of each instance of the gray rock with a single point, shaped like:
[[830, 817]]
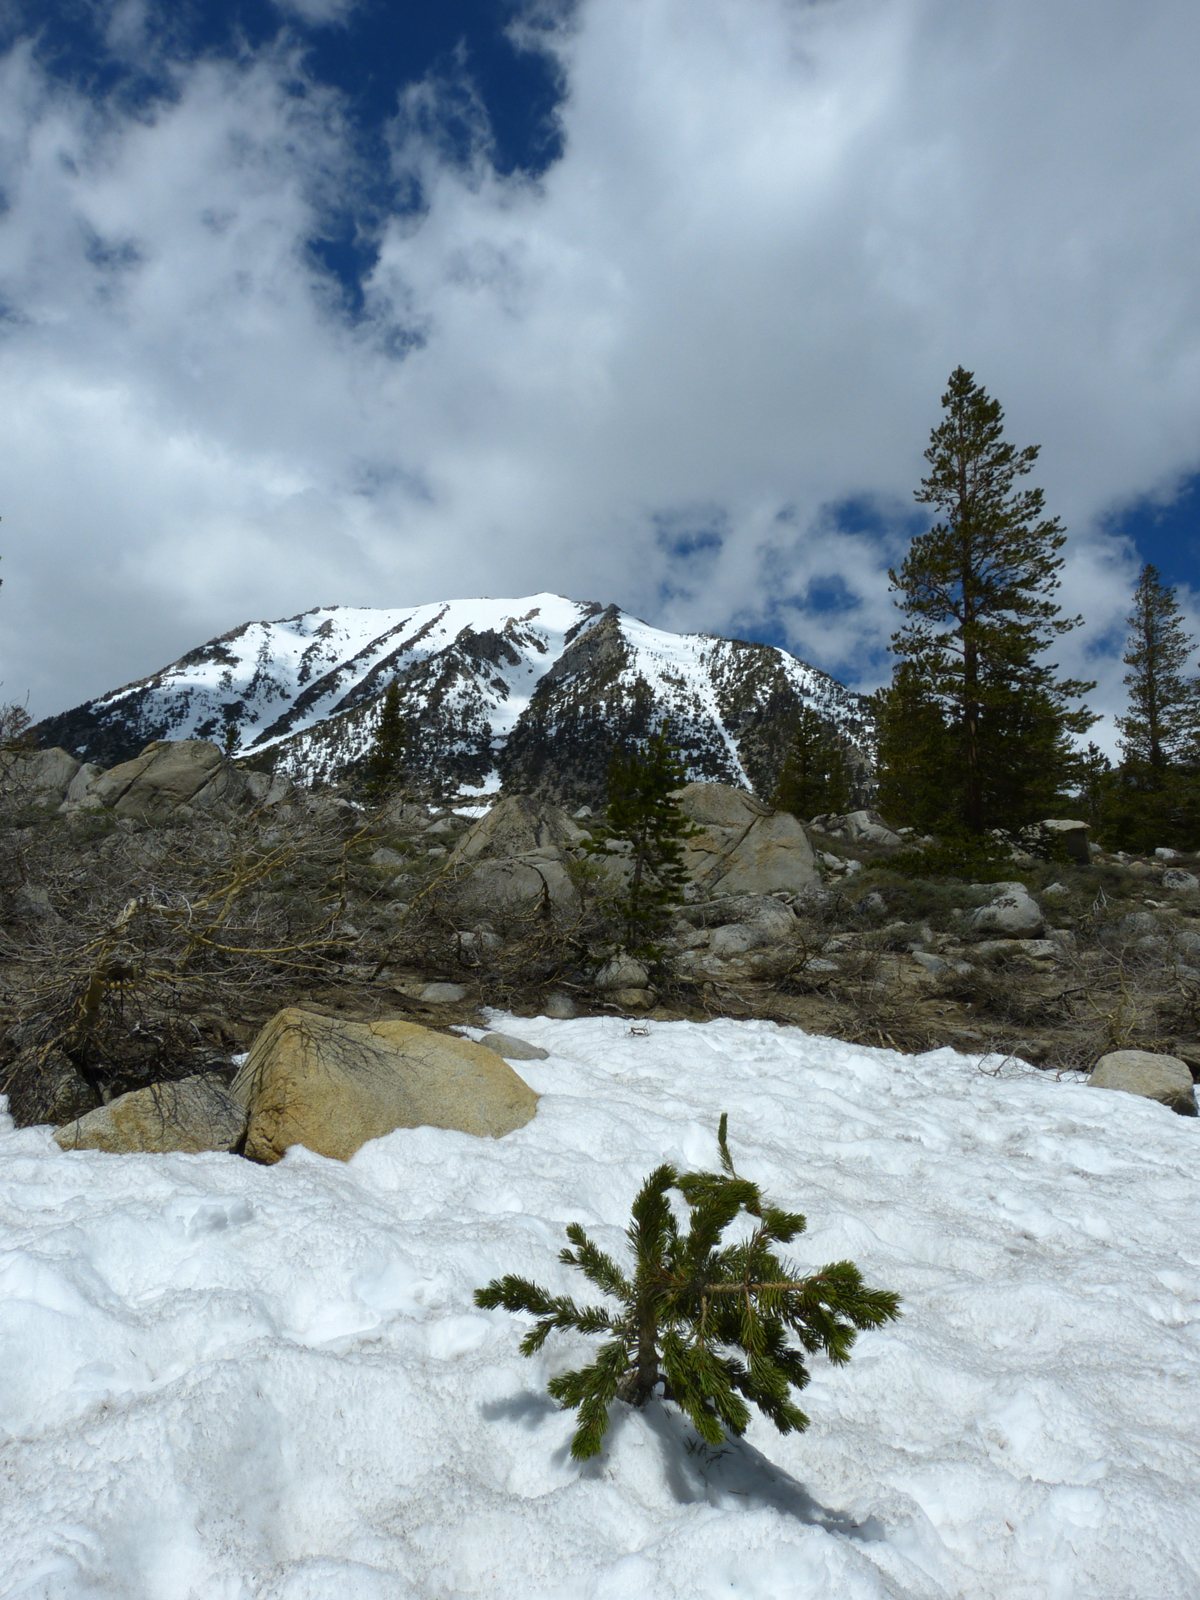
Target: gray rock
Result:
[[869, 827], [633, 999], [1056, 891], [443, 994], [1177, 878], [517, 827], [41, 777], [734, 939], [1166, 1079], [383, 857], [503, 889], [33, 900], [745, 847], [931, 963], [269, 788], [1072, 835], [560, 1007], [77, 789], [170, 775], [622, 972], [192, 1115], [1139, 924], [513, 1049], [1164, 854], [47, 1088], [1012, 914]]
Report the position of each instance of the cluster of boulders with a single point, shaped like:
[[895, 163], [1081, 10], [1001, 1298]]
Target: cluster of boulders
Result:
[[171, 780], [326, 1084]]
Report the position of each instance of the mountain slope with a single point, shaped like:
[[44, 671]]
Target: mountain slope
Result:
[[534, 693]]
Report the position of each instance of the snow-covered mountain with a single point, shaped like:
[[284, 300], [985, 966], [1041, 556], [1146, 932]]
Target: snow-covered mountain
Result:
[[533, 693]]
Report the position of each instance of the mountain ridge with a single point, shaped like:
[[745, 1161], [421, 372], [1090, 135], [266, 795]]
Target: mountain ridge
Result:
[[531, 693]]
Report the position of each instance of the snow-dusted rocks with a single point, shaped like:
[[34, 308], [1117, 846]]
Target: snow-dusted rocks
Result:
[[194, 1114], [1012, 914], [331, 1085], [745, 848], [1162, 1078]]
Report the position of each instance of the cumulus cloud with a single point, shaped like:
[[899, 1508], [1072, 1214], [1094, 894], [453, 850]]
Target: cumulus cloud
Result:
[[691, 369]]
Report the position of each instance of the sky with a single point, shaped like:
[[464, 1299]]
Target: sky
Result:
[[307, 302]]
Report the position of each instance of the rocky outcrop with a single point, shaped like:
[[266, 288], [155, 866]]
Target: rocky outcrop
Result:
[[1071, 835], [1163, 1078], [40, 778], [192, 1115], [331, 1085], [515, 861], [744, 847], [167, 776], [519, 826]]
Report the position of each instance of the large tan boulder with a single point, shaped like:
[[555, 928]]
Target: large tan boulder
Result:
[[744, 846], [167, 775], [332, 1085], [1162, 1078], [192, 1115]]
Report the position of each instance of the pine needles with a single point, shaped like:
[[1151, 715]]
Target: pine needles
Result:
[[708, 1324]]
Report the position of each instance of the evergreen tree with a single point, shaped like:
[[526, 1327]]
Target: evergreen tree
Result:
[[913, 760], [383, 765], [976, 592], [709, 1321], [645, 829], [814, 777], [1162, 716]]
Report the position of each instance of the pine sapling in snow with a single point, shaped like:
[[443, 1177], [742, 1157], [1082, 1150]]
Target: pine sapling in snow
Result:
[[706, 1324]]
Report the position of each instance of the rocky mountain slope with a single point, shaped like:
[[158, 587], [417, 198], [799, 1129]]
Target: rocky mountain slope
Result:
[[531, 693]]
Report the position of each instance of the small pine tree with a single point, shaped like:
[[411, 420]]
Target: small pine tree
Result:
[[384, 761], [914, 764], [710, 1322], [1163, 711], [645, 829], [814, 777]]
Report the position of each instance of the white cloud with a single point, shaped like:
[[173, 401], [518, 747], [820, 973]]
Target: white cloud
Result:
[[733, 303]]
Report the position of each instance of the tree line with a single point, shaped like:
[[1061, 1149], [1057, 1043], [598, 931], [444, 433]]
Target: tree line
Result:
[[978, 733]]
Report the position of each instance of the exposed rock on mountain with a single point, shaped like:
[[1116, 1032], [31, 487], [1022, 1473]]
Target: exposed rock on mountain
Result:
[[532, 693]]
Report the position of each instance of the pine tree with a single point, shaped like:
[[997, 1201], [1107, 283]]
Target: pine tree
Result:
[[1163, 711], [709, 1321], [645, 829], [976, 592], [913, 755], [814, 776], [384, 762]]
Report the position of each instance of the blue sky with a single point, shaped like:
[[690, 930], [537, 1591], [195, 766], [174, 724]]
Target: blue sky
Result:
[[640, 300]]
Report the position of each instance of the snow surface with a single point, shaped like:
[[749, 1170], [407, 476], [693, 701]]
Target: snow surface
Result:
[[230, 1382]]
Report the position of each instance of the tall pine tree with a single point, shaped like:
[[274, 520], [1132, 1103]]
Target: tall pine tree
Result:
[[383, 765], [1163, 711], [977, 596], [814, 777]]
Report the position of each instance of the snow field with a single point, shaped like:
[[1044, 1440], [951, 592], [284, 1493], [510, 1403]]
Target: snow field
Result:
[[227, 1382]]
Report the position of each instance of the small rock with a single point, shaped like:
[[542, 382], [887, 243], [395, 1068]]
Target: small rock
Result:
[[634, 999], [1166, 1079], [1177, 878], [1072, 835], [561, 1007], [1012, 913], [513, 1049], [931, 963], [622, 972], [384, 857], [1056, 891], [1164, 854], [443, 994]]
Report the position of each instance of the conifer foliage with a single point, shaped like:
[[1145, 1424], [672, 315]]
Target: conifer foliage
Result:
[[1163, 708], [710, 1322], [645, 828], [977, 596], [384, 763], [814, 777]]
